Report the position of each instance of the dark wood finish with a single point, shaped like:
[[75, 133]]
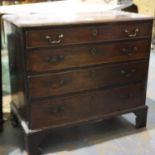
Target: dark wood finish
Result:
[[33, 142], [67, 110], [79, 71], [53, 59], [141, 117], [85, 79], [17, 73], [86, 34]]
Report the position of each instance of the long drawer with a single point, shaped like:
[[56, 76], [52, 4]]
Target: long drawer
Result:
[[87, 106], [85, 79], [57, 36], [42, 60]]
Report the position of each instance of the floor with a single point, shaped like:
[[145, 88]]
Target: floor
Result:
[[151, 78], [111, 137]]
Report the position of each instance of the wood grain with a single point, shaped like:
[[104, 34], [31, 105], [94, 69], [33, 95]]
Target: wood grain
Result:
[[86, 34], [83, 107], [54, 59]]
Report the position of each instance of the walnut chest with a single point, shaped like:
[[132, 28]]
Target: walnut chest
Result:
[[76, 69]]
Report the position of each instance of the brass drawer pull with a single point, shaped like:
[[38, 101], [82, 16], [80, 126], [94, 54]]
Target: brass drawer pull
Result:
[[128, 51], [126, 97], [51, 41], [55, 59], [128, 73], [94, 32], [135, 48], [56, 83], [93, 51], [134, 34], [57, 109]]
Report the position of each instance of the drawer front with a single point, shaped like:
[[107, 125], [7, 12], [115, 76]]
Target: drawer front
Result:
[[86, 34], [82, 107], [85, 79], [61, 58]]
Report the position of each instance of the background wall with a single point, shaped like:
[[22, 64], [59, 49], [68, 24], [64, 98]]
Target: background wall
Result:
[[147, 7]]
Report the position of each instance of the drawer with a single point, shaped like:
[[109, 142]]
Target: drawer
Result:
[[57, 36], [85, 79], [88, 106], [43, 60]]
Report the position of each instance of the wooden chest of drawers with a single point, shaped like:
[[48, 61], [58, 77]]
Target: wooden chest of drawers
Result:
[[78, 71]]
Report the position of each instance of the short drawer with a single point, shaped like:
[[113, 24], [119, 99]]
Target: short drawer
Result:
[[85, 79], [88, 106], [43, 60], [57, 36]]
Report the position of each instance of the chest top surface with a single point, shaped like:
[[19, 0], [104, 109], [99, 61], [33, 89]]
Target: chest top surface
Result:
[[73, 17]]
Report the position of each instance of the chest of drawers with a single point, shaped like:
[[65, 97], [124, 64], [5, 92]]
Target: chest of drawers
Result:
[[69, 72]]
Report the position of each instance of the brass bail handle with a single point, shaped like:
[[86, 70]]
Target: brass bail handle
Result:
[[132, 34], [128, 74], [51, 41]]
